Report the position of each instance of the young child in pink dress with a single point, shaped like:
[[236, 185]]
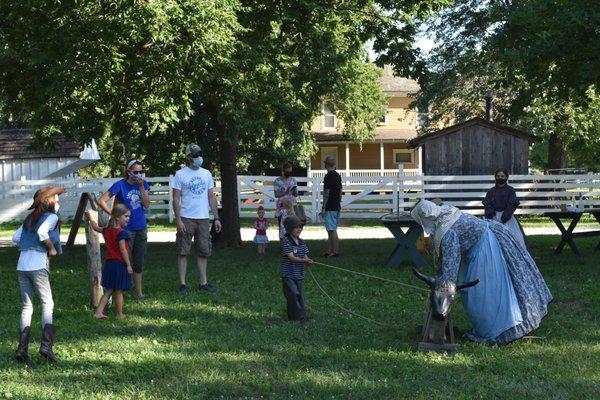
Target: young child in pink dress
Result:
[[261, 224]]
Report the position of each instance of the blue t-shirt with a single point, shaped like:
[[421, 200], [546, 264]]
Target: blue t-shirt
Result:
[[129, 194], [290, 269]]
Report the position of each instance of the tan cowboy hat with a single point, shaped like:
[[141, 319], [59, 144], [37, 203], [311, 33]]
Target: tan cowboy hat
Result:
[[44, 193]]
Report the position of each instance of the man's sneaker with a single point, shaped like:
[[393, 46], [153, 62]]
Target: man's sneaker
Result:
[[183, 290], [208, 287]]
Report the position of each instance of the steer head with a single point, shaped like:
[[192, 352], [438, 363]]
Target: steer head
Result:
[[441, 295]]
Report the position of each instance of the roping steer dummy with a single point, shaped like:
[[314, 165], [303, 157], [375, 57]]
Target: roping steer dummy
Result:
[[438, 332]]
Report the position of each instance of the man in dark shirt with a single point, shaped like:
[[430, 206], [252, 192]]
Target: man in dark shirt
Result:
[[332, 195]]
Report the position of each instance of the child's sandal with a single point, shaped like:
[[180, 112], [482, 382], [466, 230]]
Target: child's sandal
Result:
[[100, 316]]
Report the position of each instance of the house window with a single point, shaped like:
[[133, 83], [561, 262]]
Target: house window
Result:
[[383, 120], [329, 120], [329, 151], [403, 156]]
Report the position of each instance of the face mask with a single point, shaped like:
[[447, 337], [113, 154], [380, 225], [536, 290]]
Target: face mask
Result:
[[500, 181], [56, 207], [137, 174], [198, 161], [287, 174]]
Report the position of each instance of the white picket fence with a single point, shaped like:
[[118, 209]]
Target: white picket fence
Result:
[[363, 196]]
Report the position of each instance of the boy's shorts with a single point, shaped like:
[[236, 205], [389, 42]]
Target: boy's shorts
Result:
[[197, 230], [331, 219]]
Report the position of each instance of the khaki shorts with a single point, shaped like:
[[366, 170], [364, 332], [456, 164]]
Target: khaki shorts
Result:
[[197, 230]]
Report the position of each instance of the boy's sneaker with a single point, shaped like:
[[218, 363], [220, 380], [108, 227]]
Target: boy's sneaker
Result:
[[208, 287], [183, 291]]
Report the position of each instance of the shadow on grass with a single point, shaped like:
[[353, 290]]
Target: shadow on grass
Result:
[[238, 344]]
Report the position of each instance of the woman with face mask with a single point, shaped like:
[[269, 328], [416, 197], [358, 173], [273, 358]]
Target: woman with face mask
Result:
[[500, 203], [284, 187], [133, 192]]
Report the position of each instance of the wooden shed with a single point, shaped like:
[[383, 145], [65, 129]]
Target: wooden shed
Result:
[[19, 159], [475, 147]]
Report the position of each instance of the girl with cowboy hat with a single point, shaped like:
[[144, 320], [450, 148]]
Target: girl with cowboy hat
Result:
[[38, 240]]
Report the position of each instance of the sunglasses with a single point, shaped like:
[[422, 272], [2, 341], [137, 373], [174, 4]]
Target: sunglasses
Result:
[[194, 155]]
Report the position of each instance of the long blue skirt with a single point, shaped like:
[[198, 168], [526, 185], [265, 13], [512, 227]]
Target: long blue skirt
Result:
[[491, 305]]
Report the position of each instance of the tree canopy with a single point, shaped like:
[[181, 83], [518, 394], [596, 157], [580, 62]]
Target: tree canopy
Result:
[[244, 77], [537, 58]]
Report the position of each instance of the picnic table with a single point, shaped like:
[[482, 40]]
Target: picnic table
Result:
[[405, 241], [568, 234]]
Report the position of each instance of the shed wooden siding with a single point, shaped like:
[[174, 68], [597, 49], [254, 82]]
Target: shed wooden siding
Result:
[[475, 150]]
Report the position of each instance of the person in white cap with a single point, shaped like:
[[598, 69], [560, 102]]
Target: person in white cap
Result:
[[193, 197]]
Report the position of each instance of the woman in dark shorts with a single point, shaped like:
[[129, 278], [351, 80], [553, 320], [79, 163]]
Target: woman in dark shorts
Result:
[[133, 192]]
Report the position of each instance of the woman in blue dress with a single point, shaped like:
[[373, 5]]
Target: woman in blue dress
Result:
[[511, 298]]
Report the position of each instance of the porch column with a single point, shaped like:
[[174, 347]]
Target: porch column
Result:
[[347, 159], [420, 159], [308, 170], [381, 159]]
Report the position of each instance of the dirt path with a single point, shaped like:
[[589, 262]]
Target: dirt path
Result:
[[311, 233]]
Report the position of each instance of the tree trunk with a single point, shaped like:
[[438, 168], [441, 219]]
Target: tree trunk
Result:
[[557, 152], [230, 218]]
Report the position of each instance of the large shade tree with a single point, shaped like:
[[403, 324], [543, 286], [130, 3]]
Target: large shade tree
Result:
[[116, 71], [538, 59], [247, 76]]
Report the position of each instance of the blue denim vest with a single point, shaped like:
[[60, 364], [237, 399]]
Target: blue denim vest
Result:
[[30, 240]]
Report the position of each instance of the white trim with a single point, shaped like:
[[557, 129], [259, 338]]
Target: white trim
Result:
[[385, 120], [403, 151], [381, 157], [323, 126], [347, 156]]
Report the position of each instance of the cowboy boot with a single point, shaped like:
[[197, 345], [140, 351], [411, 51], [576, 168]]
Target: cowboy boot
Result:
[[23, 348], [47, 342]]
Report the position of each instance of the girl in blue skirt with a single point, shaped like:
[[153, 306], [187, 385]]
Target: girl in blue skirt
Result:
[[116, 274]]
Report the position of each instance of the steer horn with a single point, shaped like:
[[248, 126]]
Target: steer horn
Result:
[[427, 279], [465, 285]]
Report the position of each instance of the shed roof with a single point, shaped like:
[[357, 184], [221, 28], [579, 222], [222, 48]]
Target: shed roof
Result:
[[418, 141], [18, 144], [387, 134]]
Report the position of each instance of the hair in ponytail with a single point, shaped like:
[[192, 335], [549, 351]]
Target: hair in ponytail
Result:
[[117, 211]]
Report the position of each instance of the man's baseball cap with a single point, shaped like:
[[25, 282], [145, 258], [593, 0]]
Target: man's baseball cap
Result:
[[193, 150]]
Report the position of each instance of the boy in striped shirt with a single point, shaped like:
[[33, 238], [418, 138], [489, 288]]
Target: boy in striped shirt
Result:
[[294, 254]]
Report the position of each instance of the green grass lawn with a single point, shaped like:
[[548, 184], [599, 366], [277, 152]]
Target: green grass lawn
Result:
[[238, 344]]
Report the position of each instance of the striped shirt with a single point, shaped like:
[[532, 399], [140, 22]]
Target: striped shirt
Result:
[[290, 269]]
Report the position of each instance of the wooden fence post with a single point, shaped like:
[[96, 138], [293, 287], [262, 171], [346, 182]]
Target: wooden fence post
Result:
[[315, 198], [171, 211], [94, 261], [400, 188]]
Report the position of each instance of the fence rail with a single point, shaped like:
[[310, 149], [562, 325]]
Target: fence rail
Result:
[[362, 197]]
